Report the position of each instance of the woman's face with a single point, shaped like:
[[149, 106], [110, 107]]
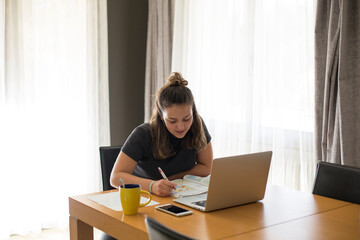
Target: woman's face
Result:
[[178, 119]]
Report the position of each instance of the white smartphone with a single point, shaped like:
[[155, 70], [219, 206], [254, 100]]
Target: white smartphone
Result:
[[173, 210]]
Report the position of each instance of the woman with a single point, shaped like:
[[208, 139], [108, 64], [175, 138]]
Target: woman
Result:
[[176, 140]]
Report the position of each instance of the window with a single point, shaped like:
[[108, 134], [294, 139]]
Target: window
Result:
[[250, 65]]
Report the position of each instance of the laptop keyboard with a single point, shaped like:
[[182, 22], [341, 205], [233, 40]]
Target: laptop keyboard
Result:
[[201, 203]]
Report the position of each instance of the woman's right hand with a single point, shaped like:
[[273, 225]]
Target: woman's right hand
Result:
[[163, 187]]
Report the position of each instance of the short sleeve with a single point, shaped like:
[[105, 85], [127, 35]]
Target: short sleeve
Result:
[[138, 145]]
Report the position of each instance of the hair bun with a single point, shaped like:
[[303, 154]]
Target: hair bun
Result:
[[176, 79]]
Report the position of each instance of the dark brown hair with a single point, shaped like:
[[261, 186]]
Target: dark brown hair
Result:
[[175, 91]]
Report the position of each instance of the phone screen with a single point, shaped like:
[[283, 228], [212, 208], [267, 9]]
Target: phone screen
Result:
[[175, 210]]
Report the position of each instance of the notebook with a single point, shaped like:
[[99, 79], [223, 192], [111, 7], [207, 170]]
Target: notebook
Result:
[[234, 180]]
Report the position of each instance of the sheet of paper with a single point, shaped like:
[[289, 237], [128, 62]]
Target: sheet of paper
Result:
[[112, 200]]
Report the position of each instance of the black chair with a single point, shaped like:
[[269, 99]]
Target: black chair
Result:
[[158, 231], [108, 156], [337, 181]]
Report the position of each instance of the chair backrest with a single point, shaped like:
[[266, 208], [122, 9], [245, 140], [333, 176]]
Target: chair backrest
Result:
[[158, 231], [337, 181], [108, 156]]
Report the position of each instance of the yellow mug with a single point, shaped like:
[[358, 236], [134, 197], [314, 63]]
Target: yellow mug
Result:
[[130, 198]]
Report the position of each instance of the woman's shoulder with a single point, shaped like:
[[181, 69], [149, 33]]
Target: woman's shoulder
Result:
[[206, 131], [141, 131], [138, 144], [140, 135], [145, 127]]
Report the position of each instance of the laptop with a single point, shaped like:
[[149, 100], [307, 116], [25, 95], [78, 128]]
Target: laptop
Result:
[[234, 181]]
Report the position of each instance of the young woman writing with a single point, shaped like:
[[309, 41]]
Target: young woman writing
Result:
[[176, 140]]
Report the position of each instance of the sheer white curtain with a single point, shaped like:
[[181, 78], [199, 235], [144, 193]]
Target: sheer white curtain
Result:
[[53, 107], [250, 65]]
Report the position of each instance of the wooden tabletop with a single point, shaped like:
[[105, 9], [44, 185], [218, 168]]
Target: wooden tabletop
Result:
[[279, 214], [340, 223]]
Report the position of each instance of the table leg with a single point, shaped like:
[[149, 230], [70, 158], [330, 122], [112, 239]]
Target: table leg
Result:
[[80, 230]]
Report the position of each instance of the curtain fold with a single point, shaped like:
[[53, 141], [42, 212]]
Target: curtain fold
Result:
[[337, 82], [158, 49], [53, 107]]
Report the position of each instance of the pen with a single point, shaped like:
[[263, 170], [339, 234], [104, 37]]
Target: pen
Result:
[[165, 177], [162, 173]]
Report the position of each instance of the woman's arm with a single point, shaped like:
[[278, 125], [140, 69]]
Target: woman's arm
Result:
[[123, 168], [203, 166]]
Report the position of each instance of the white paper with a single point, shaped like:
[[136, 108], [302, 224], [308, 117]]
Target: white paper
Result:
[[112, 200]]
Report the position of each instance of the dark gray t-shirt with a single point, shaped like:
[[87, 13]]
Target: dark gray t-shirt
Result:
[[138, 146]]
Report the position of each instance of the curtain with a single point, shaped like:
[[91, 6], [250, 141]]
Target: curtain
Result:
[[53, 107], [158, 49], [337, 81], [250, 65]]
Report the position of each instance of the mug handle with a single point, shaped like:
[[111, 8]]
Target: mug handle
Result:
[[147, 193]]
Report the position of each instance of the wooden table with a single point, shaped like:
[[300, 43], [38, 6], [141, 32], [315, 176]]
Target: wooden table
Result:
[[282, 214]]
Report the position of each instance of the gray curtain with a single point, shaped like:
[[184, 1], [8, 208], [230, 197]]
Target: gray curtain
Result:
[[159, 49], [337, 81]]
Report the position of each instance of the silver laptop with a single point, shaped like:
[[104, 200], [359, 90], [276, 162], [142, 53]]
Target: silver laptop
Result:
[[234, 181]]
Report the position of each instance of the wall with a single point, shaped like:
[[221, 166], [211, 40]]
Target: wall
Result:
[[127, 30]]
